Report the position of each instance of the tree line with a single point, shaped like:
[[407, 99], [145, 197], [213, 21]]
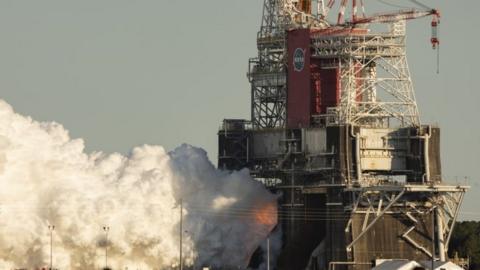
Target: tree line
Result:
[[465, 242]]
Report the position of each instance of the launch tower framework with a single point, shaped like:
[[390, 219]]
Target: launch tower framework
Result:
[[335, 130]]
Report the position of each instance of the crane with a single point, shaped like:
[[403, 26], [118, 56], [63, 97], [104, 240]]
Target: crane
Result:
[[387, 17], [404, 15]]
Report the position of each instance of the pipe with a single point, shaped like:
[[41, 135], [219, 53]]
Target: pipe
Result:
[[321, 9], [357, 154], [248, 150], [268, 253], [440, 237], [285, 158], [425, 153], [433, 239], [347, 154], [412, 218]]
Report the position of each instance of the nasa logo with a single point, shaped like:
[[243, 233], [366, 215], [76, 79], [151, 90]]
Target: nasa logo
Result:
[[298, 59]]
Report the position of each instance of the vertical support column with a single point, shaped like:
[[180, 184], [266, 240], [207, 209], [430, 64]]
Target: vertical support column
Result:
[[357, 154], [433, 240], [426, 147], [440, 236], [292, 200]]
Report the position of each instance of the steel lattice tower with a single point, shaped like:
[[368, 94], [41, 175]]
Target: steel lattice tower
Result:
[[375, 84], [335, 131], [267, 72]]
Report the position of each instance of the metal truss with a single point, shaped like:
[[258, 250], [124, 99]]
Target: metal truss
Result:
[[269, 88], [412, 202], [375, 84], [267, 72]]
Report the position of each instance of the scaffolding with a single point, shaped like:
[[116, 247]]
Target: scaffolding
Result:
[[267, 72], [361, 176], [375, 84]]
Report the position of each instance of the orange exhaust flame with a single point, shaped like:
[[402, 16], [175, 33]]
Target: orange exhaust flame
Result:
[[266, 215], [264, 219]]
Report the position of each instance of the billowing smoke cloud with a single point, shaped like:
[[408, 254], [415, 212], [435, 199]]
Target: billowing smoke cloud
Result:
[[47, 179]]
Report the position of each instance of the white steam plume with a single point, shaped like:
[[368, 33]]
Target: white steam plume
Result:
[[47, 179]]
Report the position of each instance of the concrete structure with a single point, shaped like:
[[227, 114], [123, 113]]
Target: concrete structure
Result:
[[335, 129]]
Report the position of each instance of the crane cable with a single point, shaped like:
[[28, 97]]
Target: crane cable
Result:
[[421, 4], [436, 44], [391, 4], [406, 7]]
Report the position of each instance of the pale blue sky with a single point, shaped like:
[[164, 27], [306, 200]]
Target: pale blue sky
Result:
[[120, 73]]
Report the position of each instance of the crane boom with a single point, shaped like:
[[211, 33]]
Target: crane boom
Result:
[[397, 16], [405, 15]]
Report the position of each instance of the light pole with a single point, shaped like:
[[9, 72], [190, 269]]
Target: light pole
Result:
[[433, 237], [106, 229], [181, 233], [51, 228], [268, 253]]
